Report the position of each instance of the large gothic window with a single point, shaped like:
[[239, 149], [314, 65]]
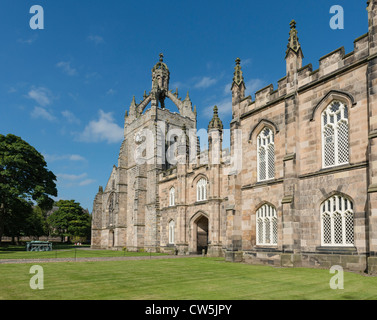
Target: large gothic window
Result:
[[335, 141], [267, 225], [266, 155], [171, 231], [337, 222], [172, 197], [201, 190]]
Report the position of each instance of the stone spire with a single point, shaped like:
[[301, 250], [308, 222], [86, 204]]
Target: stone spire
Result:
[[293, 43], [133, 108], [238, 76], [238, 86], [216, 122], [293, 55], [187, 97]]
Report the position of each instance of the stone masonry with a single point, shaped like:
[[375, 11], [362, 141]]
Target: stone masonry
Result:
[[206, 200]]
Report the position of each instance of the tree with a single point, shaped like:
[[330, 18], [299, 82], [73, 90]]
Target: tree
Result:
[[70, 220], [24, 178], [16, 220]]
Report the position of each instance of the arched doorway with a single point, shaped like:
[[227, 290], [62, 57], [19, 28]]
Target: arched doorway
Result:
[[201, 234], [111, 238]]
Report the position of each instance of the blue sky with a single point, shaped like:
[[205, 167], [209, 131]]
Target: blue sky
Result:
[[65, 89]]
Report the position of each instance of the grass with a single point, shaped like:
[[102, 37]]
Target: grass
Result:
[[179, 279], [66, 251]]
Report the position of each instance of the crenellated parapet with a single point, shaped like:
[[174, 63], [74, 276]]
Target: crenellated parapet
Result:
[[299, 79]]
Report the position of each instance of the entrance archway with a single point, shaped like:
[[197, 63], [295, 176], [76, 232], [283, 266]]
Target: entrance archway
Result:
[[201, 234]]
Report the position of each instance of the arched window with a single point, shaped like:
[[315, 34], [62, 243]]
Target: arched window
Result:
[[172, 197], [337, 222], [267, 225], [335, 140], [201, 190], [111, 205], [266, 155], [171, 231]]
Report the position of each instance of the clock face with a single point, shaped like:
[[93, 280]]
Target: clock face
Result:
[[139, 138]]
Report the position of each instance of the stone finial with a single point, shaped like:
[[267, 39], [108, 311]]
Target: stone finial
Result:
[[187, 97], [238, 76], [100, 189], [160, 64], [293, 43], [133, 102], [216, 122]]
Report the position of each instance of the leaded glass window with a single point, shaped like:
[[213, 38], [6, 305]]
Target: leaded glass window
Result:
[[266, 155], [201, 190], [335, 135], [337, 222], [266, 225]]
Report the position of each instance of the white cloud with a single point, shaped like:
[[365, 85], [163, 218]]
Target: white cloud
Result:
[[227, 88], [224, 106], [65, 66], [86, 182], [111, 92], [70, 157], [72, 180], [178, 85], [254, 85], [76, 157], [245, 62], [12, 90], [41, 113], [71, 177], [29, 40], [205, 82], [41, 95], [103, 129], [71, 118], [96, 39]]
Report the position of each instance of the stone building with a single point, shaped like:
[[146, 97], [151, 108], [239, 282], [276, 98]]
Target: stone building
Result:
[[298, 188]]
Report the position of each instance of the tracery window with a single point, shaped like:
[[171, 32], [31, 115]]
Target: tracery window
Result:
[[266, 155], [335, 139], [201, 190], [267, 225], [337, 225]]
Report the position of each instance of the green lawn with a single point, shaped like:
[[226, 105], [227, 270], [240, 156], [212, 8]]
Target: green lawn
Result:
[[69, 253], [179, 279]]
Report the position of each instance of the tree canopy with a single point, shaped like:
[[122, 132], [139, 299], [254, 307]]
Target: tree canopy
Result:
[[24, 180], [70, 220]]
